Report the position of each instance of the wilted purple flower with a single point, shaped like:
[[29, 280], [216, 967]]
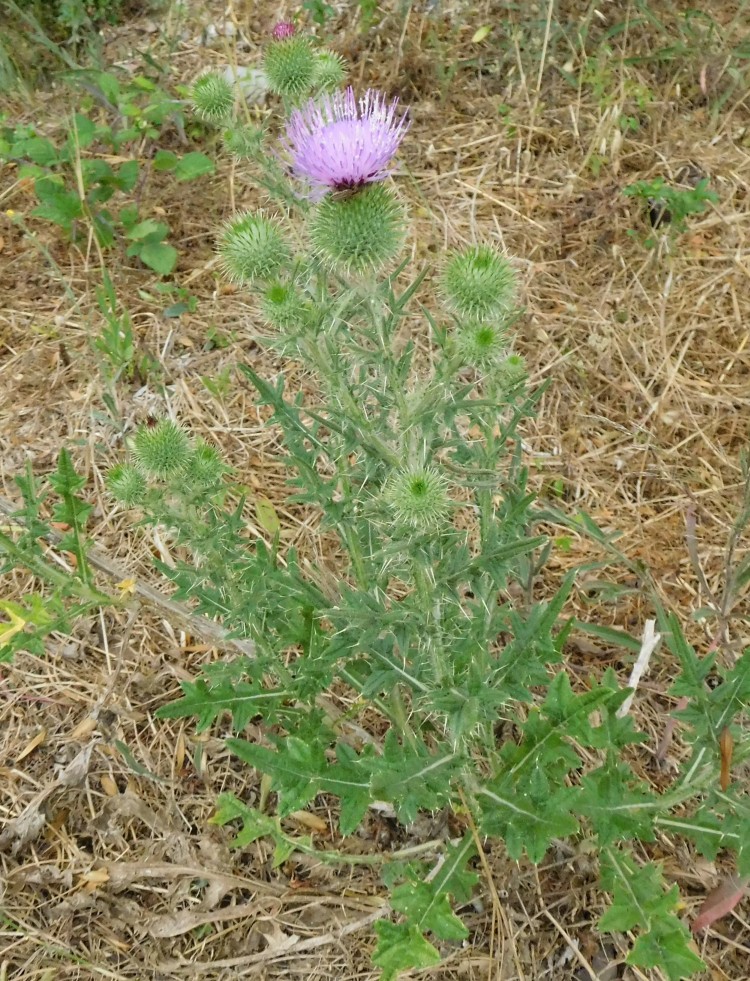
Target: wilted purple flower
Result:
[[338, 143], [282, 30]]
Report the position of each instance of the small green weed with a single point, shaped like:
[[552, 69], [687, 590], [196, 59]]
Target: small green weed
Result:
[[69, 595], [669, 207], [77, 184], [319, 11]]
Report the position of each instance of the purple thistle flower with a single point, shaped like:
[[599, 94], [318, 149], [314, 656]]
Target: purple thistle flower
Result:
[[339, 143], [282, 30]]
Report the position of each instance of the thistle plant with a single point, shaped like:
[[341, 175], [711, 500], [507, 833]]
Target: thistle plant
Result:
[[432, 624]]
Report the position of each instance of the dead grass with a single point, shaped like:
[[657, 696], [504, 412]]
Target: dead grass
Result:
[[119, 874]]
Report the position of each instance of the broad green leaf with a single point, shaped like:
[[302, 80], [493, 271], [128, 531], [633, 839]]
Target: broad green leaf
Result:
[[401, 947], [453, 876], [349, 779], [266, 515], [618, 805], [193, 165], [58, 205], [126, 176], [412, 778], [85, 130], [670, 948], [641, 903], [165, 160], [148, 229], [244, 700], [429, 909], [37, 149], [158, 256], [295, 769]]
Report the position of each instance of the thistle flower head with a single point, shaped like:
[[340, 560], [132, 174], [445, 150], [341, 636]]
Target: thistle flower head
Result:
[[127, 484], [418, 497], [282, 30], [479, 282], [358, 233], [289, 65], [213, 97], [161, 451], [251, 247], [338, 143]]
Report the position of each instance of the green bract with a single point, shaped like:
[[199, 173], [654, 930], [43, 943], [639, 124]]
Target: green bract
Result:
[[418, 497], [285, 308], [482, 345], [127, 484], [358, 232], [479, 282], [290, 66], [205, 466], [243, 141], [329, 71], [252, 247], [513, 370], [213, 97], [161, 451]]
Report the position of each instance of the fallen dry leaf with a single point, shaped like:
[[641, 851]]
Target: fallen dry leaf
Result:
[[32, 745], [176, 924], [720, 901], [33, 818]]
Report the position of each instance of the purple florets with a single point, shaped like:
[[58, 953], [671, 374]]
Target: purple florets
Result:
[[339, 143], [282, 30]]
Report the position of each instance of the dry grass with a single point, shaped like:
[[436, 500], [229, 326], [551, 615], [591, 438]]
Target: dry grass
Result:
[[646, 414]]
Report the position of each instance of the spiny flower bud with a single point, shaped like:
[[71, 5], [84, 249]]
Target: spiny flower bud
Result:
[[329, 71], [418, 497], [512, 371], [479, 282], [243, 141], [358, 232], [252, 247], [284, 308], [289, 65], [482, 345], [205, 467], [213, 97], [161, 451], [127, 484]]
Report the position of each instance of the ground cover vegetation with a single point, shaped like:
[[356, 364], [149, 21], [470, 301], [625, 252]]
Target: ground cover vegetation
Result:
[[373, 458]]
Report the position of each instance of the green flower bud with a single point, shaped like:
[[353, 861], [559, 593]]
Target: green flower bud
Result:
[[205, 466], [213, 98], [252, 247], [358, 232], [418, 497], [479, 282], [290, 66], [285, 309], [244, 142], [161, 451], [329, 71], [512, 371], [482, 345], [127, 484]]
